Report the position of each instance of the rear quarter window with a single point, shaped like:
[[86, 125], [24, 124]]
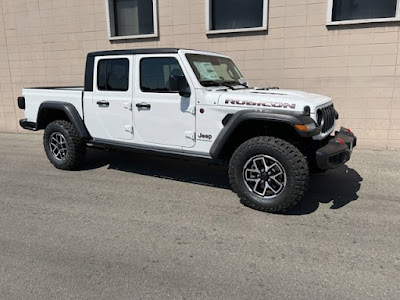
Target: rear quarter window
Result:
[[113, 74]]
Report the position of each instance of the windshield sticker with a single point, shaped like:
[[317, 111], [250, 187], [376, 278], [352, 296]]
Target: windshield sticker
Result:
[[206, 70], [264, 104]]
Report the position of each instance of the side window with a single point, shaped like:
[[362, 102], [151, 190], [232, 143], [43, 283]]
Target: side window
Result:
[[159, 74], [113, 74]]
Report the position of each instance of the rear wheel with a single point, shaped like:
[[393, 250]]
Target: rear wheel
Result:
[[63, 147], [268, 174]]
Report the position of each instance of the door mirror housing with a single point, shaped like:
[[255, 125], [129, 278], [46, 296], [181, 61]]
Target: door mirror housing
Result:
[[178, 83], [185, 92]]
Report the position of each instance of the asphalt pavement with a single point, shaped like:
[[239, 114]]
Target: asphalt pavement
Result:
[[138, 226]]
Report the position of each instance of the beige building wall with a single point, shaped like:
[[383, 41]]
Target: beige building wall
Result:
[[44, 43]]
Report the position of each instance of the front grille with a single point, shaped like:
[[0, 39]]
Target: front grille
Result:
[[326, 118]]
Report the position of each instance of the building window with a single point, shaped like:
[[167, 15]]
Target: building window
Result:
[[362, 11], [113, 74], [236, 15], [129, 19], [158, 74]]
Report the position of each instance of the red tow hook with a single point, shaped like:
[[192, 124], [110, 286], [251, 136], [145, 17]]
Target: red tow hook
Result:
[[340, 141]]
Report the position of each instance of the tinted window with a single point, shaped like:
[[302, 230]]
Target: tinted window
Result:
[[113, 74], [235, 14], [133, 17], [156, 74], [363, 9]]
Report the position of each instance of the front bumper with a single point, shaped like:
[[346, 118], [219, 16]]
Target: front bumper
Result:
[[338, 150]]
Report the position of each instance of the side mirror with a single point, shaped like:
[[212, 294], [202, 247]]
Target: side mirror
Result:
[[178, 83], [185, 92]]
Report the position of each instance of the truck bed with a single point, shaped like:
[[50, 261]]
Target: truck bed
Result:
[[37, 95]]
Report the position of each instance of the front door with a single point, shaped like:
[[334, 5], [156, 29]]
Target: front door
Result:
[[109, 114], [161, 115]]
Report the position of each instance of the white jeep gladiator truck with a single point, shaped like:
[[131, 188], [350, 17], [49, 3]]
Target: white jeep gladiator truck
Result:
[[194, 104]]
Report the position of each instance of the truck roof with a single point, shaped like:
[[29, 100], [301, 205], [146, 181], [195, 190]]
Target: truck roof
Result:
[[134, 51], [91, 58]]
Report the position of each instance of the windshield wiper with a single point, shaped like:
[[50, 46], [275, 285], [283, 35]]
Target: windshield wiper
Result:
[[268, 88], [215, 83], [236, 83]]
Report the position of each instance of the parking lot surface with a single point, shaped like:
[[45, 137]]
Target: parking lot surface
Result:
[[138, 226]]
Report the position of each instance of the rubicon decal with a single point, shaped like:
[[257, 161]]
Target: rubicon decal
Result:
[[264, 104]]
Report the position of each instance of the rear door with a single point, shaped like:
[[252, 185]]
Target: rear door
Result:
[[161, 115], [109, 114]]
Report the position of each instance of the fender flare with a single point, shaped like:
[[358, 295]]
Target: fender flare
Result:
[[71, 113], [280, 116]]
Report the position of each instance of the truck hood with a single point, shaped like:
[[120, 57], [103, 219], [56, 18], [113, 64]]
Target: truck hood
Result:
[[273, 98]]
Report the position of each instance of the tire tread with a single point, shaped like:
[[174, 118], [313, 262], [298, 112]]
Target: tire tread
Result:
[[300, 174], [77, 150]]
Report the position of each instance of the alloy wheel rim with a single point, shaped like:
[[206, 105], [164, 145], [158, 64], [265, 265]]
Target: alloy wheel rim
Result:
[[264, 176], [58, 146]]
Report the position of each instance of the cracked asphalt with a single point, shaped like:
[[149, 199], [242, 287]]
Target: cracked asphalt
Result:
[[138, 226]]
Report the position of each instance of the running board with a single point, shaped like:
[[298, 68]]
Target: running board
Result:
[[156, 150]]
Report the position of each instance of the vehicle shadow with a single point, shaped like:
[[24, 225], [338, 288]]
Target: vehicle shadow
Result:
[[179, 169], [338, 186]]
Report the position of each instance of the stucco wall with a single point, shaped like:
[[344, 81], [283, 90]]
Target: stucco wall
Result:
[[44, 43]]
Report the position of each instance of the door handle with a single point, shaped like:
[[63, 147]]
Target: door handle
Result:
[[103, 103], [143, 105]]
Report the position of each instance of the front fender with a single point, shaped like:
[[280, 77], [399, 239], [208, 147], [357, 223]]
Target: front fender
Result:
[[291, 118]]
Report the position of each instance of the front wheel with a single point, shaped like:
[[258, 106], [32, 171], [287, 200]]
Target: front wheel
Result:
[[63, 147], [268, 174]]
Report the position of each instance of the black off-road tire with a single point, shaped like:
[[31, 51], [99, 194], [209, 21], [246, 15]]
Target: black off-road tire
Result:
[[75, 146], [291, 159]]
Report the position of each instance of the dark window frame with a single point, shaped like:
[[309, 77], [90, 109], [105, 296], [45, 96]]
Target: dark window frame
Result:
[[98, 74], [209, 20], [140, 74]]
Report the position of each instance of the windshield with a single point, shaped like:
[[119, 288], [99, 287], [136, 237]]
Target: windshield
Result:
[[215, 70]]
